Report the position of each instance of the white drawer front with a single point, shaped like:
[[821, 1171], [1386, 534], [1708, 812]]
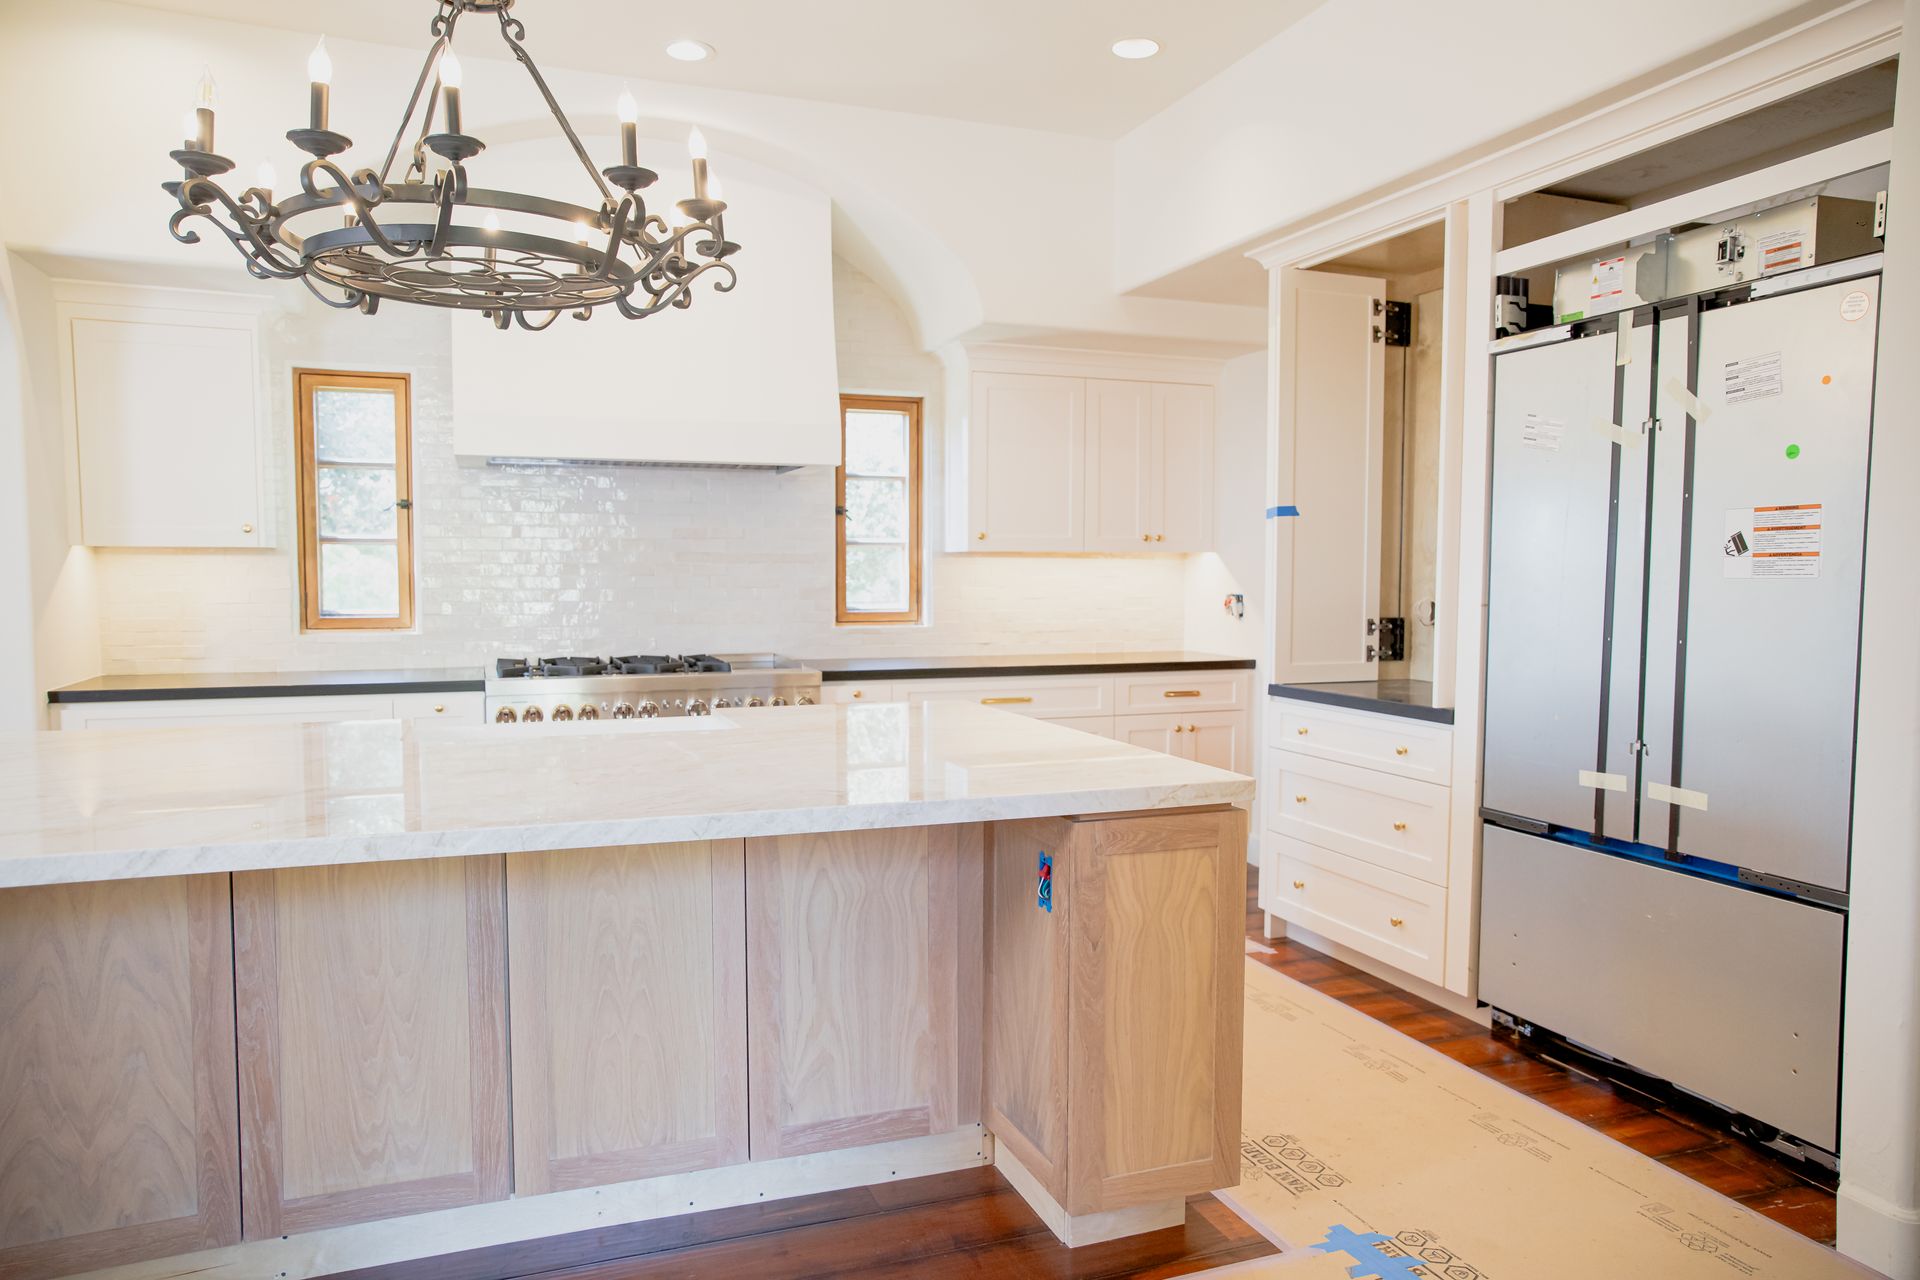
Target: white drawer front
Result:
[[455, 708], [1049, 697], [1178, 692], [881, 691], [1391, 917], [1410, 748], [172, 713], [1389, 821]]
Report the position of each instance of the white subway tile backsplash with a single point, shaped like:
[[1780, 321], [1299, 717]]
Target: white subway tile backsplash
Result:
[[544, 560]]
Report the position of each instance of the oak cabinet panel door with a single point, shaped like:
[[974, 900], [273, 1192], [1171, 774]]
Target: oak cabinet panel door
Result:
[[863, 982], [627, 980], [118, 1128], [1156, 955], [373, 1041]]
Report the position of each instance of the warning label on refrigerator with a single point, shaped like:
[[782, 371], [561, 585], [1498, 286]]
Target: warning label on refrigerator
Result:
[[1542, 433], [1754, 378], [1609, 279], [1773, 542]]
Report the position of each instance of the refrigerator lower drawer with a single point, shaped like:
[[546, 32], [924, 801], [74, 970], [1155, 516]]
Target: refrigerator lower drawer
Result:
[[1379, 913], [1727, 993]]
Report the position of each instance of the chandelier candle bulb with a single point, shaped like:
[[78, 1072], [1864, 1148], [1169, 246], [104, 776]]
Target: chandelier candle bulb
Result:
[[629, 111], [320, 76], [450, 77], [697, 148]]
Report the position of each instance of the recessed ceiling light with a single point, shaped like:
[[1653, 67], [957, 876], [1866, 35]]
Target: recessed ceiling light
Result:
[[1137, 47], [690, 50]]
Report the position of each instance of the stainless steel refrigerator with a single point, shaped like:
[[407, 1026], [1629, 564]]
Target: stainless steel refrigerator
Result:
[[1678, 530]]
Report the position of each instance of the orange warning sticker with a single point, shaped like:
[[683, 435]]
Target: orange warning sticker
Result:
[[1779, 541]]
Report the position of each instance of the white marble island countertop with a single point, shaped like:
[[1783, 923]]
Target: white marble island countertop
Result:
[[119, 804]]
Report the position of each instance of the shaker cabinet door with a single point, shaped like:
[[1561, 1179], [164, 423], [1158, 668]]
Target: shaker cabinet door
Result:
[[1026, 472]]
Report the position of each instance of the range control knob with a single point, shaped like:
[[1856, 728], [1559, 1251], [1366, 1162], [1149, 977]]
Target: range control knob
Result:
[[649, 709], [588, 711], [531, 715], [756, 702], [505, 715], [562, 712], [719, 703], [623, 711], [779, 702], [804, 700], [697, 707]]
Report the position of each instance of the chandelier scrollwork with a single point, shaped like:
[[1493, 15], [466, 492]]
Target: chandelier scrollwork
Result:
[[362, 237]]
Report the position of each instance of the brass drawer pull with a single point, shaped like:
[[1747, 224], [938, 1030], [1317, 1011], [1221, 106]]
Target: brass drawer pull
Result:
[[1399, 826], [1299, 884], [995, 702], [1299, 799], [1302, 731], [1180, 693], [1395, 921], [1399, 751]]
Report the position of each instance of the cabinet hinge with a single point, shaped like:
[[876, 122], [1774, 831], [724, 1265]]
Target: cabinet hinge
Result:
[[1373, 655], [1373, 626]]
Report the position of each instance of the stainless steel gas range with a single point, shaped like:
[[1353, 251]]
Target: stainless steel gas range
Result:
[[642, 686]]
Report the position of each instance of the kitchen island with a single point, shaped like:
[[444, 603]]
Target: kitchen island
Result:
[[297, 999]]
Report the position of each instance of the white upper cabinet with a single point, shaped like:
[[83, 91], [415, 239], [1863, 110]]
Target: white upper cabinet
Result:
[[1181, 507], [1026, 446], [1330, 426], [1120, 465], [163, 407], [1052, 462]]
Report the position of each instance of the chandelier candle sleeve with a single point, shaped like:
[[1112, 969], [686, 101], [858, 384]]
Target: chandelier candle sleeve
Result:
[[629, 129], [204, 103], [450, 77], [697, 148], [320, 75]]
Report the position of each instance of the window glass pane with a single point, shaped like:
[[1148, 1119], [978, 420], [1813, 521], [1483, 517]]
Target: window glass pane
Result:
[[356, 502], [877, 510], [359, 579], [352, 426], [876, 443], [877, 579]]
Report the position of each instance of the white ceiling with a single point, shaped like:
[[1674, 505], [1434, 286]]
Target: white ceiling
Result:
[[1040, 64]]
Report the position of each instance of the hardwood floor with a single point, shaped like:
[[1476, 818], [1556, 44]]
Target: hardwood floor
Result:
[[1781, 1189], [971, 1223]]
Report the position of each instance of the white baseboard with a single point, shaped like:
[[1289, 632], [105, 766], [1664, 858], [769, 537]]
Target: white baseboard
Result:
[[394, 1240], [1883, 1235]]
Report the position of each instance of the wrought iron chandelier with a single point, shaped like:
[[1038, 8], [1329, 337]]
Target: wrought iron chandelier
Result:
[[401, 240]]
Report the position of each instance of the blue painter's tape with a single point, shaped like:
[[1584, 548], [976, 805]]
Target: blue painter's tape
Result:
[[1282, 511], [1365, 1250]]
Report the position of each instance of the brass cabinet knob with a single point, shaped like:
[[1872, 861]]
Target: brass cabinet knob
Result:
[[246, 528], [1299, 799], [1399, 826], [1299, 884], [1399, 751], [1302, 731], [1146, 537], [1159, 537], [438, 707], [1193, 728], [982, 536], [859, 693], [1395, 921]]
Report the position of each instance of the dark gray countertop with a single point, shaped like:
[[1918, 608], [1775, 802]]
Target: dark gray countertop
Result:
[[269, 684], [1410, 698], [1035, 664]]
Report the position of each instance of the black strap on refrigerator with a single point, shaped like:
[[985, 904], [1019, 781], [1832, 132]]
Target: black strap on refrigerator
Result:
[[1692, 313], [1639, 762], [1623, 320]]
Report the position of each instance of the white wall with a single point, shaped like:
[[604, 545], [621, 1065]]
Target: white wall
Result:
[[1879, 1205], [1361, 94], [971, 225], [536, 561]]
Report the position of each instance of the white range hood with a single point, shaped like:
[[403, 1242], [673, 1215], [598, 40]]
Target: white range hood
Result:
[[740, 379]]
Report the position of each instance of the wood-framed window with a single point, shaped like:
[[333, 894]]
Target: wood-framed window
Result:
[[877, 510], [354, 446]]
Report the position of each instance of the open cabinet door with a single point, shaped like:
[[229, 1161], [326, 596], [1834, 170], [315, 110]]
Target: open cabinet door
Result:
[[1329, 382]]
